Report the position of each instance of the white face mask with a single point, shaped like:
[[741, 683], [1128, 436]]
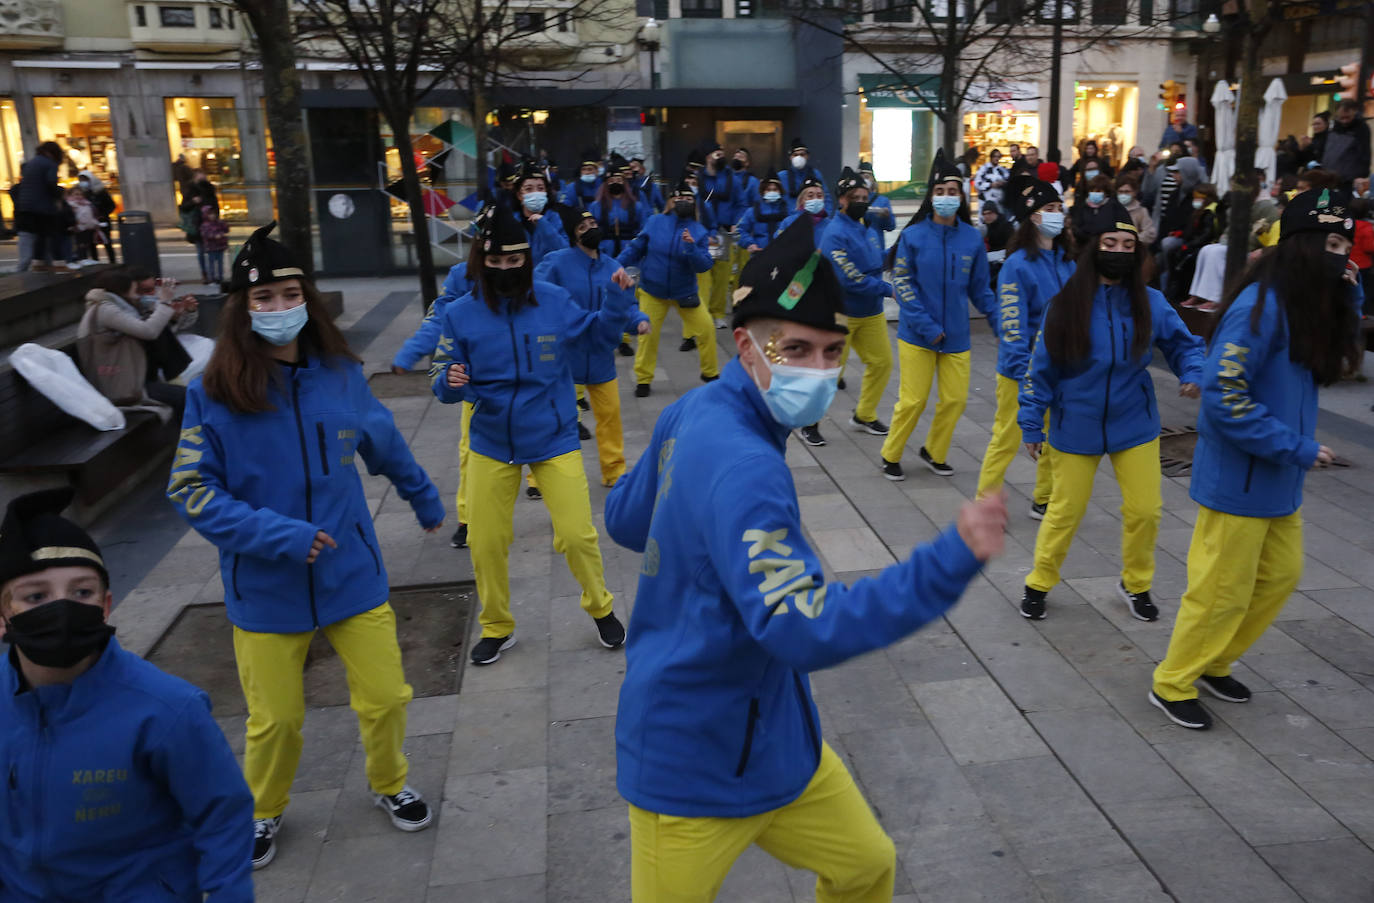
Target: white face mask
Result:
[[798, 161], [1197, 203]]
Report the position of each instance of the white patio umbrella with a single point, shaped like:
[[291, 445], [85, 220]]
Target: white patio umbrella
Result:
[[1224, 106], [1268, 134]]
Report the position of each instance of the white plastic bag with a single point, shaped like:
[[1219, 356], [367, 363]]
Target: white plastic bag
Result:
[[54, 374], [200, 348]]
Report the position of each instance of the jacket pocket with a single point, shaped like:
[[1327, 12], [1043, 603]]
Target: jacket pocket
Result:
[[1249, 472], [557, 417], [324, 447], [362, 537], [748, 737], [1149, 400], [234, 577]]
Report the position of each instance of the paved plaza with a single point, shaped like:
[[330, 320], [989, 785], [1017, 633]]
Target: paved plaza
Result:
[[1009, 760]]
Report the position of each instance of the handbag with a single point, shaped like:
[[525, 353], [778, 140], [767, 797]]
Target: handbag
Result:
[[167, 355], [190, 224], [113, 362]]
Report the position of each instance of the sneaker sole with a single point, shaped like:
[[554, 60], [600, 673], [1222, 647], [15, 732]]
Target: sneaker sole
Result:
[[400, 824], [1126, 597], [504, 646], [1030, 617], [935, 470], [896, 478], [1204, 685], [606, 644], [865, 428], [1036, 515], [1159, 704], [265, 861], [808, 442]]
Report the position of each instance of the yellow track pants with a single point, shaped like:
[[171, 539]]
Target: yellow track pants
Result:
[[1241, 571], [919, 368], [1006, 442], [869, 338], [1137, 472], [828, 830], [696, 324], [604, 399], [494, 486], [271, 668], [714, 284]]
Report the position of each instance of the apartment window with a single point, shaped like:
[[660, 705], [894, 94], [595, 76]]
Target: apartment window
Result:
[[221, 18], [1067, 9], [1109, 12], [892, 10], [701, 9], [940, 9], [177, 16], [140, 17], [563, 24], [529, 21], [1008, 10]]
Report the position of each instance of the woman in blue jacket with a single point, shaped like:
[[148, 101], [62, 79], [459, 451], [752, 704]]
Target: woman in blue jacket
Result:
[[1040, 263], [671, 251], [763, 217], [879, 218], [1289, 329], [811, 203], [586, 274], [155, 807], [545, 231], [939, 265], [265, 471], [618, 212], [1089, 373], [506, 349]]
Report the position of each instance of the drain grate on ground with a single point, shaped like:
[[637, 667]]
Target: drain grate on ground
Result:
[[431, 623], [399, 385]]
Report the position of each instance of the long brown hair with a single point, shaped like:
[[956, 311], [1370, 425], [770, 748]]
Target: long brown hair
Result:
[[242, 367], [1068, 321]]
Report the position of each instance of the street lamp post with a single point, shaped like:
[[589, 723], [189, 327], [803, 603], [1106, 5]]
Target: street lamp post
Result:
[[650, 41]]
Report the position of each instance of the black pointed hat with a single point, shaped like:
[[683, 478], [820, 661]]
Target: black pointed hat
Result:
[[941, 170], [499, 231], [790, 280], [866, 166], [1025, 194], [1110, 217], [798, 145], [695, 159], [1317, 210], [682, 189], [530, 169], [617, 165], [848, 181], [262, 260], [809, 182], [34, 536], [505, 172], [591, 157]]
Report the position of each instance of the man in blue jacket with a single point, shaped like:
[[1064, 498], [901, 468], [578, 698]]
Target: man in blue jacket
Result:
[[121, 787], [580, 193], [799, 172], [718, 741], [719, 191], [879, 218]]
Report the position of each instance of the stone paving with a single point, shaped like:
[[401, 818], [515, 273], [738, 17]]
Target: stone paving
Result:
[[1009, 760]]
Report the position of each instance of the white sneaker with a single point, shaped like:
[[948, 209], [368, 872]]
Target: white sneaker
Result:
[[721, 323]]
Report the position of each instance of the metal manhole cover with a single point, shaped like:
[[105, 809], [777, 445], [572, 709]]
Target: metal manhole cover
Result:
[[431, 623], [399, 385]]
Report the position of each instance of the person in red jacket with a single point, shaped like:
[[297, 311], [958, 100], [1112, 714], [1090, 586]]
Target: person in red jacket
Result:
[[1362, 251]]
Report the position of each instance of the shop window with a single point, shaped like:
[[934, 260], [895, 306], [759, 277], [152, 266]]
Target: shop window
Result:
[[177, 16], [203, 133], [140, 16], [11, 154], [892, 11], [701, 9], [1106, 114], [528, 22], [221, 18], [1109, 12], [81, 126]]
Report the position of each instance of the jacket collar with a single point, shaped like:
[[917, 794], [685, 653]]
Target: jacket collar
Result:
[[62, 702], [746, 397]]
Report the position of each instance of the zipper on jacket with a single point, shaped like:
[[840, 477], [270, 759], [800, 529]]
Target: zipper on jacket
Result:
[[529, 361], [234, 576], [944, 289], [309, 502], [515, 393], [1107, 396], [557, 417], [376, 562], [324, 450], [748, 737], [1249, 472]]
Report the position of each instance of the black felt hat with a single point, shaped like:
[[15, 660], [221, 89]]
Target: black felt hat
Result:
[[591, 157], [1314, 210], [531, 170], [1110, 217], [866, 166], [617, 165], [1025, 194], [809, 182], [505, 172], [499, 231], [941, 170], [790, 280], [34, 536], [848, 181], [695, 159], [770, 180], [798, 146], [682, 189], [262, 260]]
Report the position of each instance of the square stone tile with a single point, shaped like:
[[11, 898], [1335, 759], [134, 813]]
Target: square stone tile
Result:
[[500, 730], [976, 721], [494, 825], [582, 764]]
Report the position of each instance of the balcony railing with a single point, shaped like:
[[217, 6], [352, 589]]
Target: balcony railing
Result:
[[30, 23]]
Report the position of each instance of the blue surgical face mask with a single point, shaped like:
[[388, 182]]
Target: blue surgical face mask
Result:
[[279, 327], [1125, 199], [772, 195], [797, 396], [588, 177], [1051, 223], [1096, 197], [946, 205], [534, 201], [815, 205]]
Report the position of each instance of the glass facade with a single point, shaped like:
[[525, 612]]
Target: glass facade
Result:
[[81, 125], [203, 133], [1105, 113], [11, 156]]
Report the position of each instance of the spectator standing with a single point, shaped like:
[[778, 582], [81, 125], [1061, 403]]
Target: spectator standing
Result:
[[104, 205], [1178, 130], [86, 225], [37, 216], [1347, 145], [1362, 251], [1128, 196], [214, 239], [991, 176]]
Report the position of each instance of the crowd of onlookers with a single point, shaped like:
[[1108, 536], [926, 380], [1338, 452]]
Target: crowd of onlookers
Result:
[[59, 228]]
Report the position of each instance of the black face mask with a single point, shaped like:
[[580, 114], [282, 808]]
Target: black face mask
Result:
[[60, 633], [590, 239], [1114, 264], [685, 209], [737, 165], [506, 283], [856, 209], [615, 188], [1335, 265]]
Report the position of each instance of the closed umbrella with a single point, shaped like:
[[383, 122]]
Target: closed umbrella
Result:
[[1268, 136], [1224, 106]]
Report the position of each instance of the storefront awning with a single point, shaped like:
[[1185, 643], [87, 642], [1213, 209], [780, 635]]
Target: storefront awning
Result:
[[885, 89]]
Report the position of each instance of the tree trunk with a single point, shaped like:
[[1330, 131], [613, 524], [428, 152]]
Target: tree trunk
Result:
[[479, 109], [419, 221], [1255, 25], [949, 74], [271, 22]]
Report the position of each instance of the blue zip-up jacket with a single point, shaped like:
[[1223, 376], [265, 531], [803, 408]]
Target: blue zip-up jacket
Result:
[[422, 343], [876, 222], [578, 194], [619, 225], [760, 220], [746, 193], [721, 193], [820, 224], [587, 281], [858, 259], [546, 237], [792, 180], [649, 193], [1107, 403], [716, 716], [121, 789], [936, 271], [668, 265], [1025, 286], [518, 366], [1258, 420], [259, 486]]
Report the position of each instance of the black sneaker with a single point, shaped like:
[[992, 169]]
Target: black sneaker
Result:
[[687, 345], [811, 435], [582, 432], [642, 390], [1227, 688], [1188, 713], [840, 385], [874, 427], [893, 470], [532, 492], [265, 840], [489, 648], [1038, 509], [584, 404], [709, 379], [1142, 609], [939, 467], [407, 810], [460, 537], [625, 350], [610, 631], [1033, 604]]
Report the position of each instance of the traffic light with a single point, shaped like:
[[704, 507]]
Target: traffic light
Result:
[[1168, 95]]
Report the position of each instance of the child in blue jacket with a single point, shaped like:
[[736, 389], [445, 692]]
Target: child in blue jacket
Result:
[[1089, 373], [940, 264], [763, 218], [120, 785], [265, 470], [1287, 331], [1040, 264]]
